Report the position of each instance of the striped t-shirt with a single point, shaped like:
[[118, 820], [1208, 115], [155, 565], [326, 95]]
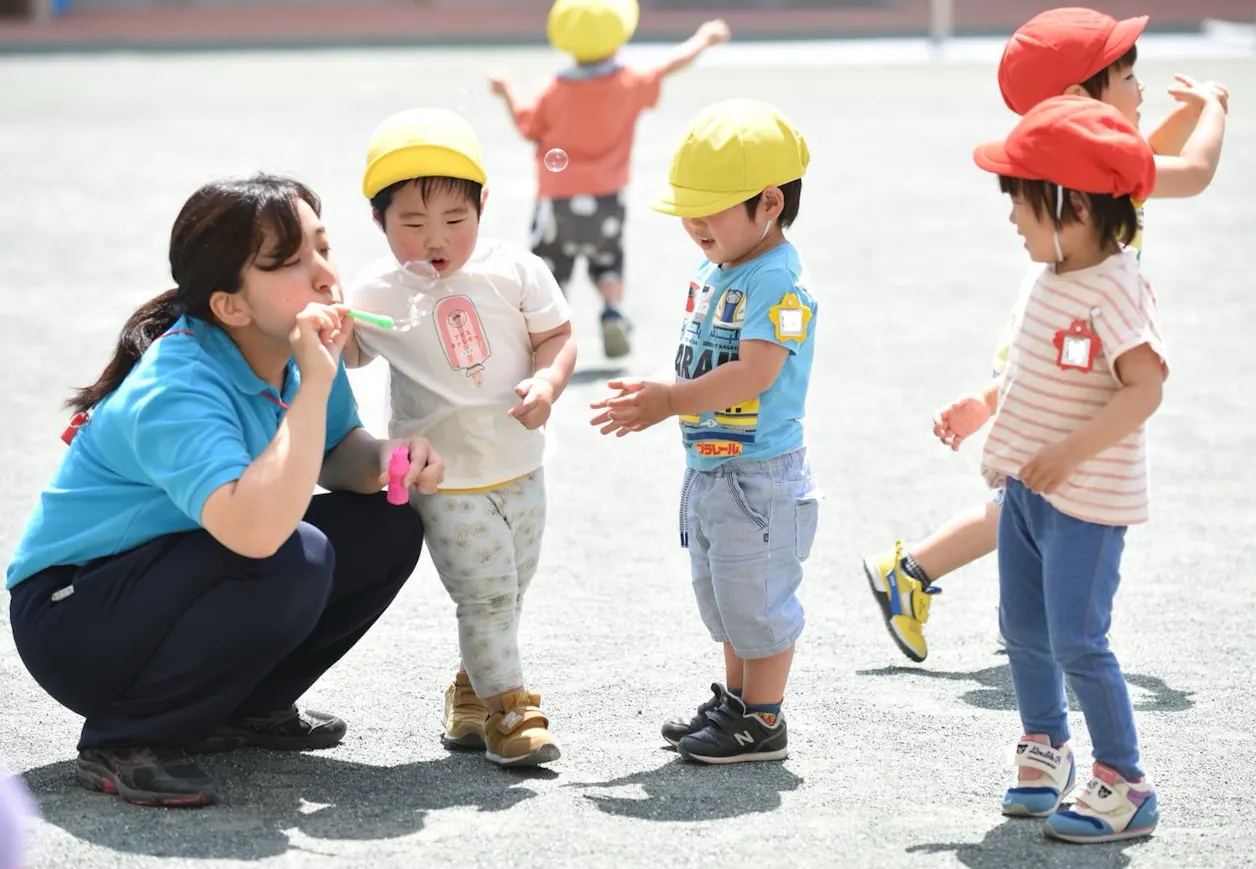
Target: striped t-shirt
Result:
[[1041, 403], [1005, 340]]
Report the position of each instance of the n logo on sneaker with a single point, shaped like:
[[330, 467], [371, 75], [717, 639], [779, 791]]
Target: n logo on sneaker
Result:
[[744, 738]]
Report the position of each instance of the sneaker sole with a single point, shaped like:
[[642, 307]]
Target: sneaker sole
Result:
[[615, 339], [1020, 811], [544, 754], [99, 778], [219, 744], [1099, 840], [878, 591], [467, 742], [779, 754]]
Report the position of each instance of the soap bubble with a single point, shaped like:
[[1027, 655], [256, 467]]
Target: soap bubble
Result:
[[421, 270], [556, 159], [463, 100], [420, 274]]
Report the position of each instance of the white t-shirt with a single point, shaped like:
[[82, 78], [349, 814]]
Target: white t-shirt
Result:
[[453, 372]]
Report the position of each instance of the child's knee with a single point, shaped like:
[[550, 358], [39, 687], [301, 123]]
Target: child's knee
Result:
[[709, 610], [761, 614], [1078, 652], [487, 595]]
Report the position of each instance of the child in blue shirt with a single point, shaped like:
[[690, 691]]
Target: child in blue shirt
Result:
[[749, 504]]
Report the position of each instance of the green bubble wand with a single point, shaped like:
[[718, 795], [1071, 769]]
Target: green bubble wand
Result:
[[374, 319]]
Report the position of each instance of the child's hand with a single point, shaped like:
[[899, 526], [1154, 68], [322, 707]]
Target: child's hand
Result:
[[625, 387], [638, 405], [714, 32], [499, 83], [1222, 92], [960, 419], [427, 468], [1047, 470], [1191, 92], [538, 400]]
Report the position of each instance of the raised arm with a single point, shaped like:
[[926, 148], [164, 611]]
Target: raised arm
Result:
[[708, 34]]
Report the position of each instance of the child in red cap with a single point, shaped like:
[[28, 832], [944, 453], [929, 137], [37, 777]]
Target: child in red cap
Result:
[[1068, 446], [1062, 51]]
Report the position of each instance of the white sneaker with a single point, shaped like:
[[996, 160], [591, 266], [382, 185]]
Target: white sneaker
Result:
[[1038, 797], [1108, 810]]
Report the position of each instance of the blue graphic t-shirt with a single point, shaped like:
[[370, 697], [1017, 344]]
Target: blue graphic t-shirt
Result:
[[765, 299]]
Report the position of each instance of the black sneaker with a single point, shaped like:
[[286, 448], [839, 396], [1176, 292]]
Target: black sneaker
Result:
[[616, 329], [678, 728], [734, 735], [288, 729], [146, 776]]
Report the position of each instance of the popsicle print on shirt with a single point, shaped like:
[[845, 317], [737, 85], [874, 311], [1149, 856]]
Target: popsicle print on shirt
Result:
[[462, 335]]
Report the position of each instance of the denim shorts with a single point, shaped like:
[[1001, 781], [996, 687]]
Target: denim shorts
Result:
[[749, 525]]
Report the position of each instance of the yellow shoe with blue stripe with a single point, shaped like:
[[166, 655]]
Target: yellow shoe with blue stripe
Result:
[[904, 601]]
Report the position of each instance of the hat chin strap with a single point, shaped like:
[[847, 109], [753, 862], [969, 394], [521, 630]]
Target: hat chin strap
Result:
[[767, 227], [1059, 211]]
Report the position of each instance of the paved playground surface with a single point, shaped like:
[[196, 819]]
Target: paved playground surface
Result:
[[915, 264]]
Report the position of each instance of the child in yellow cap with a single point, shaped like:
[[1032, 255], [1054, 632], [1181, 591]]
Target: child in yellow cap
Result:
[[586, 117], [1081, 52], [749, 503], [482, 348]]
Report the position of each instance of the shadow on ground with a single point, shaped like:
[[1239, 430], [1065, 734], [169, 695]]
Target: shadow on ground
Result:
[[686, 792], [269, 794], [1020, 842], [996, 692]]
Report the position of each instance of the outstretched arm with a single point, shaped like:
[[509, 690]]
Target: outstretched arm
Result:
[[1190, 173], [708, 34]]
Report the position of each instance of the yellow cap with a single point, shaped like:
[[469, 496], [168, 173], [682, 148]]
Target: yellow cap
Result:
[[419, 143], [591, 30], [732, 151]]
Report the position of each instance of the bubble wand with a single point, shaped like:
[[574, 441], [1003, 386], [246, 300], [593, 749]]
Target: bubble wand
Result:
[[374, 319]]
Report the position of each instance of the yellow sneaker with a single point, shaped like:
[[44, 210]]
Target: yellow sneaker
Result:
[[904, 601], [519, 734], [465, 714]]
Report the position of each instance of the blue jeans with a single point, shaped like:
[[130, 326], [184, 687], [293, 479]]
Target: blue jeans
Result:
[[1057, 578]]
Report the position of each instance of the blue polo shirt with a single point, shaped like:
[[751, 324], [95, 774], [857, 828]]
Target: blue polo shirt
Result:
[[189, 417]]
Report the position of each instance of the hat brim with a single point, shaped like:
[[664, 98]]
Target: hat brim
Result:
[[992, 157], [1122, 39], [686, 202], [419, 161]]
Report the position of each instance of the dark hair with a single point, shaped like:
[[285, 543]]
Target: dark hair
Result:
[[219, 232], [428, 184], [1098, 83], [792, 191], [1115, 218]]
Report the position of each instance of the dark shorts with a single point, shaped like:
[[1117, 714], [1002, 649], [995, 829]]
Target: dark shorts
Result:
[[563, 230]]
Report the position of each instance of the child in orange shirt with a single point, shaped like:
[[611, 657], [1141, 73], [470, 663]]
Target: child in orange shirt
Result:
[[589, 113]]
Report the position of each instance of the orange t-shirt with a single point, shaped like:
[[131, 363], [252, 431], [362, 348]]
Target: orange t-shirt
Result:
[[594, 120]]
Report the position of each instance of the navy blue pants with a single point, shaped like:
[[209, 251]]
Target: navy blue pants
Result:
[[163, 644]]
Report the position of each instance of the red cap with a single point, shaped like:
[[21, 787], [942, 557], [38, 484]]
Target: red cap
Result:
[[1060, 48], [1078, 143]]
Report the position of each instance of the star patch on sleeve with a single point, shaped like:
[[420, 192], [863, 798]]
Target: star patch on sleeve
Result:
[[790, 318]]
